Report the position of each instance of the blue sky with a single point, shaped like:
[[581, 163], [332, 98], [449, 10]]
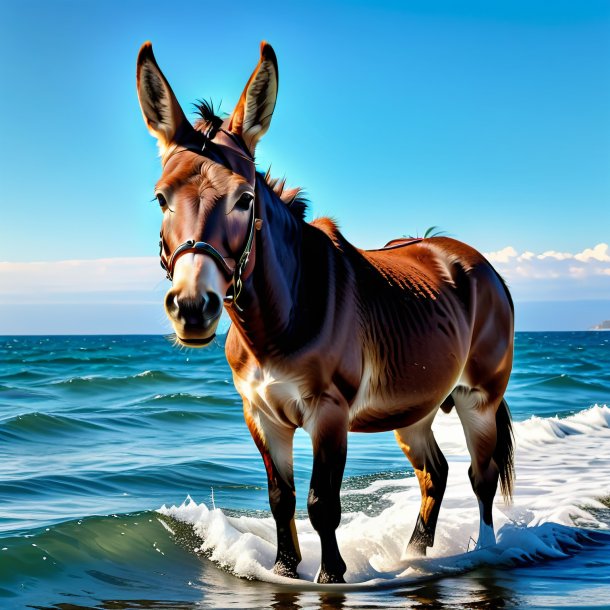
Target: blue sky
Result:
[[488, 119]]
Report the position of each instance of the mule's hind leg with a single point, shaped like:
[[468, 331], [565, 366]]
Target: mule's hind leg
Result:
[[487, 429], [275, 445], [420, 447]]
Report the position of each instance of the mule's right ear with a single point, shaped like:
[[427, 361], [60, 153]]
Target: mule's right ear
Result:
[[162, 112]]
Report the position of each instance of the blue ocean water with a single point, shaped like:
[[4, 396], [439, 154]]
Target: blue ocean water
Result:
[[98, 432]]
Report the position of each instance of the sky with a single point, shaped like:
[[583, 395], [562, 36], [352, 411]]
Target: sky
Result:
[[488, 119]]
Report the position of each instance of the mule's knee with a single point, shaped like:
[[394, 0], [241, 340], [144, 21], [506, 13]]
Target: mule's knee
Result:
[[282, 501], [324, 508]]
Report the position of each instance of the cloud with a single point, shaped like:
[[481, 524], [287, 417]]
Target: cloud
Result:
[[552, 263], [502, 256], [558, 256], [52, 281], [555, 273], [599, 253]]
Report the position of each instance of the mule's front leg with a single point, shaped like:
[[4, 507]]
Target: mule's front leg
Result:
[[275, 445], [328, 431]]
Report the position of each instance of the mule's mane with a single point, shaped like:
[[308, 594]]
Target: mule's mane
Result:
[[207, 115], [294, 198]]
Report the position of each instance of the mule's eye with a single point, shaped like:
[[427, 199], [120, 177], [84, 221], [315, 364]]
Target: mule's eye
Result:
[[161, 199], [244, 201]]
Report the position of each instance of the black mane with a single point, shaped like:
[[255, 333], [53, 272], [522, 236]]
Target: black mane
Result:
[[205, 111]]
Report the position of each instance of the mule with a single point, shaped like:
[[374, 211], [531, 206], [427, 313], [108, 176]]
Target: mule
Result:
[[326, 336]]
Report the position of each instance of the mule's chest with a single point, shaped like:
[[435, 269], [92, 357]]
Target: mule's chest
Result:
[[279, 396]]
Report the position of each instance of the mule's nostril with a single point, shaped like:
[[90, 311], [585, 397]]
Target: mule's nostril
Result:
[[171, 303], [212, 305]]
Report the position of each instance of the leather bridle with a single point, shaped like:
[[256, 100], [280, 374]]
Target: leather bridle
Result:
[[220, 153]]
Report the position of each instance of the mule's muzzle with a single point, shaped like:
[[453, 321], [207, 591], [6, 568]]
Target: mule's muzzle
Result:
[[194, 318]]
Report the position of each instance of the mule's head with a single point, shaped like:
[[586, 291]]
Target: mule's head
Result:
[[206, 192]]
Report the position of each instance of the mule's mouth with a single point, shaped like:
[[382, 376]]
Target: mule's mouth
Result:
[[196, 342]]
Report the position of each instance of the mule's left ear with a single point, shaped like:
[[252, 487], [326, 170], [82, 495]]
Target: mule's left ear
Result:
[[252, 115]]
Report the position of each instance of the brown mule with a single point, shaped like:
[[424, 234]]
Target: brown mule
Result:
[[325, 336]]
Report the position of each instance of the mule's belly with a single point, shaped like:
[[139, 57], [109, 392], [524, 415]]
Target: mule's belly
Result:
[[382, 418], [386, 402]]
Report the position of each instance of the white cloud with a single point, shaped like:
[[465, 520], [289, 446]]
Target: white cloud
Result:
[[558, 256], [552, 263], [561, 274], [502, 256], [122, 277], [598, 253]]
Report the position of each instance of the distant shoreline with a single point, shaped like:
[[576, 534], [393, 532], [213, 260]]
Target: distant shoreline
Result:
[[605, 325]]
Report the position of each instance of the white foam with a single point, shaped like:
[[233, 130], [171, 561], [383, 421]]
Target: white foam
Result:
[[563, 469]]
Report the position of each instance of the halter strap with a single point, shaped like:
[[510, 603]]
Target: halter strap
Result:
[[219, 153]]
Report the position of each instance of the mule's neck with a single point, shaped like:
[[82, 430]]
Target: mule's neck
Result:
[[269, 293]]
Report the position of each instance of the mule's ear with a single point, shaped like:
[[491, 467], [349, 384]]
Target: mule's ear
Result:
[[252, 115], [162, 112]]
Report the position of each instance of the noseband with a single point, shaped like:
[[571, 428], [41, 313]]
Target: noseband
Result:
[[215, 152]]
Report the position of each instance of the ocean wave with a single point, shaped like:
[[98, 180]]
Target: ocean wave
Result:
[[87, 382], [184, 400], [31, 426], [557, 510], [23, 375], [103, 478], [565, 381], [111, 546], [539, 430]]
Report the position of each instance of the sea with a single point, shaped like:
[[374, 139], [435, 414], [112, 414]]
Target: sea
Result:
[[128, 479]]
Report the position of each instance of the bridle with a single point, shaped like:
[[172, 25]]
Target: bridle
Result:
[[219, 153]]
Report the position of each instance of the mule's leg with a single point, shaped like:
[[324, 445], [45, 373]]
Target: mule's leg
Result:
[[420, 447], [275, 445], [329, 440], [478, 416]]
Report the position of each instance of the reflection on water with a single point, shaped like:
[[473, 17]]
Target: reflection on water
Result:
[[476, 591], [479, 590]]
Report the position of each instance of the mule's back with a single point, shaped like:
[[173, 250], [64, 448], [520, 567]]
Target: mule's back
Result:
[[425, 327]]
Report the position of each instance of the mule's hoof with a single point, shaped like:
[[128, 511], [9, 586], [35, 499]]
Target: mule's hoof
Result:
[[283, 569], [326, 578]]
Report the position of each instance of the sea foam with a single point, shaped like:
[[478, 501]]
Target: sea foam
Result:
[[563, 474]]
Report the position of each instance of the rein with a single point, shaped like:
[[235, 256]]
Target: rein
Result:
[[213, 151]]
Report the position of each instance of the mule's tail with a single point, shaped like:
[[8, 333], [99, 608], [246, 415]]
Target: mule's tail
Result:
[[504, 453]]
